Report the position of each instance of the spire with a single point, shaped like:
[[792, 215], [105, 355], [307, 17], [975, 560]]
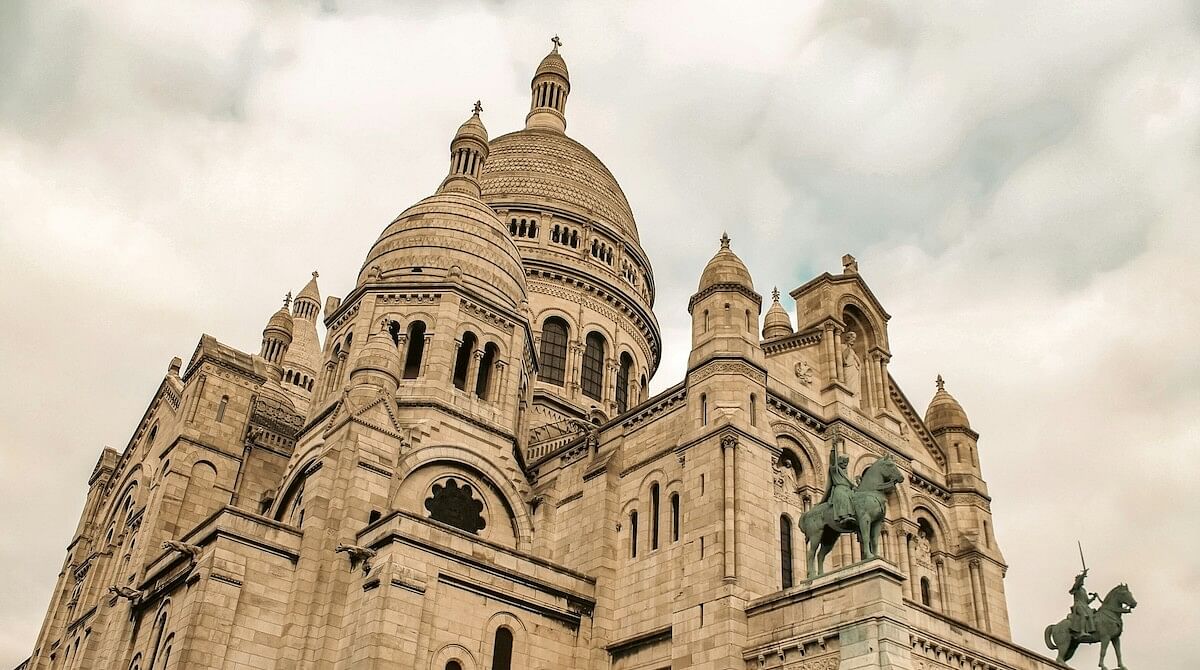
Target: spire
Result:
[[550, 87], [308, 301], [777, 323], [468, 151]]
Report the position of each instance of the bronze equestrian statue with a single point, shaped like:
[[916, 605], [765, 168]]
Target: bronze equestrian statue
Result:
[[1084, 625], [849, 509]]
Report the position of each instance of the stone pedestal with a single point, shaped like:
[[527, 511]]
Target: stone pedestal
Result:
[[848, 619]]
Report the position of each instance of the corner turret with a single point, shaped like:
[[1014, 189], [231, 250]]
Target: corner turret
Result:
[[277, 336], [550, 87], [777, 322], [468, 151]]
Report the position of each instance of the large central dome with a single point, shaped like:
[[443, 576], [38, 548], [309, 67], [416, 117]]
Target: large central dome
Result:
[[535, 165]]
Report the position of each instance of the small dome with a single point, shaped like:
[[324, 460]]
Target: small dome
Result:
[[281, 320], [378, 362], [777, 322], [449, 237], [553, 63], [725, 268], [944, 411], [473, 127]]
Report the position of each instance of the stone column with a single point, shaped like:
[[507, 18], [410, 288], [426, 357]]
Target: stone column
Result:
[[729, 445], [473, 371], [908, 565], [497, 392], [839, 370], [425, 355], [976, 593], [943, 599]]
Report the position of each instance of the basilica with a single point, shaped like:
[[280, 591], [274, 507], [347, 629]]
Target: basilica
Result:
[[468, 471]]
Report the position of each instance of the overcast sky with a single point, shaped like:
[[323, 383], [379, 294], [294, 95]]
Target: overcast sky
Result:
[[1018, 180]]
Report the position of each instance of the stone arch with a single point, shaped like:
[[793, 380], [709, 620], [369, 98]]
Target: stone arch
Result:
[[810, 459], [863, 320], [925, 509], [453, 652], [293, 487], [131, 481], [202, 496], [469, 460]]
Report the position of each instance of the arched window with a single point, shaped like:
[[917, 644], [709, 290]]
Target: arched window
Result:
[[153, 434], [221, 408], [926, 599], [160, 626], [654, 509], [485, 370], [416, 349], [753, 410], [553, 351], [453, 665], [463, 361], [592, 377], [675, 518], [502, 649], [633, 534], [623, 382], [166, 651], [785, 550], [749, 323], [703, 409], [136, 663]]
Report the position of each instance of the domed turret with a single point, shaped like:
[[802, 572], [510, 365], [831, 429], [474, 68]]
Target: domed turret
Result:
[[725, 310], [777, 322], [308, 301], [452, 235], [550, 86], [277, 336], [944, 411]]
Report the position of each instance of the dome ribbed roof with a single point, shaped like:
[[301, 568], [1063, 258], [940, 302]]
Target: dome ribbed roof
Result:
[[777, 322], [725, 268], [535, 165], [473, 127], [281, 320], [310, 290], [944, 411], [446, 231], [553, 63]]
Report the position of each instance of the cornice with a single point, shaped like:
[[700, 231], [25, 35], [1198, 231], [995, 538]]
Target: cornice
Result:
[[804, 338], [724, 287]]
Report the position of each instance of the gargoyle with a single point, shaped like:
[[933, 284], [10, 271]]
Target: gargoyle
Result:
[[357, 555], [130, 594], [191, 550]]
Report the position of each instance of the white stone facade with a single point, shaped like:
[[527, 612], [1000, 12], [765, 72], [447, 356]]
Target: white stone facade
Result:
[[469, 473]]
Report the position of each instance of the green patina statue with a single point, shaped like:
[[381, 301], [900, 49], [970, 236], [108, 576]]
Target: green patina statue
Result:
[[849, 509], [1085, 625]]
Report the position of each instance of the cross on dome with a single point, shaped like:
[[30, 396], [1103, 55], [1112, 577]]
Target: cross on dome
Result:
[[724, 241], [287, 299], [477, 108], [557, 43], [775, 294], [941, 383], [315, 274]]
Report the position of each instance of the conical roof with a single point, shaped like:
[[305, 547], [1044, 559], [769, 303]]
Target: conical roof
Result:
[[310, 291], [944, 411]]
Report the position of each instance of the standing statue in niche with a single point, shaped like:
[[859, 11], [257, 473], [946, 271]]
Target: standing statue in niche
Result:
[[851, 365], [823, 524], [1084, 625]]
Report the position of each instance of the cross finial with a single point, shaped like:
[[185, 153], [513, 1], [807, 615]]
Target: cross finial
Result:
[[775, 294], [477, 108], [941, 383], [557, 43], [287, 299], [316, 274], [724, 241]]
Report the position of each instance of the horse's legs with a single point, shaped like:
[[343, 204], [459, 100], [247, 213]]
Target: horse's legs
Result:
[[864, 540], [811, 544], [1117, 648], [826, 547], [1103, 651]]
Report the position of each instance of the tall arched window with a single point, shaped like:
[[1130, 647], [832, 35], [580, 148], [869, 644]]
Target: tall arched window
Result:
[[703, 409], [592, 377], [462, 362], [553, 351], [416, 349], [502, 649], [484, 381], [623, 382], [753, 410], [160, 626], [675, 518], [633, 534], [654, 515], [926, 598], [785, 550]]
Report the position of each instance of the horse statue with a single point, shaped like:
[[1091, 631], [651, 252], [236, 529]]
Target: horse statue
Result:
[[866, 507], [1105, 627]]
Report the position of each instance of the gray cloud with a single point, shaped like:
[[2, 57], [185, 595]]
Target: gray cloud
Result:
[[1017, 179]]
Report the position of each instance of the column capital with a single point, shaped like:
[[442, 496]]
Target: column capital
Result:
[[729, 441]]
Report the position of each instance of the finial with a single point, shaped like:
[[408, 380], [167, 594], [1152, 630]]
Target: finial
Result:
[[287, 299], [316, 274], [775, 294], [941, 383], [849, 264], [557, 43], [477, 108], [724, 241]]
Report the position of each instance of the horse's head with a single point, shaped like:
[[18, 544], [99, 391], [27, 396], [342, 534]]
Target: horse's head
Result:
[[1121, 599], [882, 475]]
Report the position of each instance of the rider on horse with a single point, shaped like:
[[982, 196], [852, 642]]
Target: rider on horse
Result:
[[1081, 611], [840, 488]]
